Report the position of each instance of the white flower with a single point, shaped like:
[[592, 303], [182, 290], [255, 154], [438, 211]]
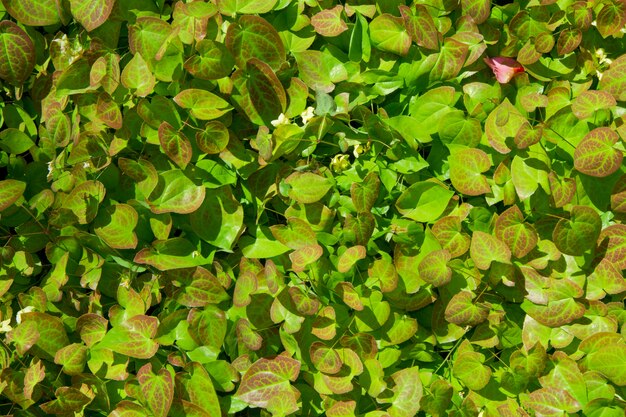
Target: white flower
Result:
[[86, 164], [599, 74], [307, 115], [282, 120], [5, 326], [50, 170], [18, 316]]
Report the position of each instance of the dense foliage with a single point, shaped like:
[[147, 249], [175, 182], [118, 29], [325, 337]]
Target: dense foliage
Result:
[[309, 207]]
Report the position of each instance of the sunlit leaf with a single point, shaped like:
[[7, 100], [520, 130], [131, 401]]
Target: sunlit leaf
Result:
[[595, 154], [486, 248], [466, 168], [577, 234], [17, 53], [255, 37], [424, 201]]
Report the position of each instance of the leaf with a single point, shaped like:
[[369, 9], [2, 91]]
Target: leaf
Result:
[[10, 192], [328, 22], [116, 226], [388, 34], [169, 254], [91, 13], [595, 154], [447, 230], [149, 37], [17, 53], [302, 257], [462, 311], [133, 337], [255, 37], [233, 7], [213, 61], [68, 400], [266, 384], [605, 279], [316, 70], [528, 135], [587, 103], [34, 12], [610, 18], [579, 233], [486, 248], [609, 361], [219, 219], [307, 187], [424, 201], [176, 193], [296, 234], [325, 359], [84, 200], [407, 392], [469, 368], [137, 76], [568, 41], [556, 313], [614, 79], [466, 168], [202, 104], [175, 144], [195, 287], [382, 273], [266, 92], [551, 401], [479, 10], [51, 333], [502, 123], [91, 328], [350, 257], [126, 408], [450, 61], [420, 26], [365, 193], [612, 245], [520, 237], [434, 268], [72, 357], [198, 388], [157, 389], [213, 138]]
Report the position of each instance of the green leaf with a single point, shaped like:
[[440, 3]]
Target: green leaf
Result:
[[382, 273], [551, 401], [266, 92], [614, 79], [137, 76], [605, 279], [520, 237], [568, 41], [133, 337], [84, 200], [296, 234], [219, 219], [325, 359], [579, 233], [462, 311], [198, 388], [388, 34], [128, 409], [68, 400], [302, 257], [610, 361], [51, 332], [176, 193], [91, 13], [213, 138], [420, 26], [34, 12], [486, 248], [457, 129], [595, 154], [10, 192], [149, 37], [612, 245], [17, 53], [407, 392], [610, 18], [350, 257], [72, 357], [169, 254], [466, 168], [448, 232], [314, 70], [266, 384], [589, 102], [479, 10], [91, 328], [307, 187], [424, 201], [213, 61], [434, 268], [202, 104], [528, 135], [157, 389], [175, 144], [328, 22], [233, 7], [196, 287], [116, 226], [502, 123], [255, 37], [450, 60], [469, 368], [75, 79], [365, 193]]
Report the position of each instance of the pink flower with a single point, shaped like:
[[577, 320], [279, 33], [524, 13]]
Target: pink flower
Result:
[[504, 68]]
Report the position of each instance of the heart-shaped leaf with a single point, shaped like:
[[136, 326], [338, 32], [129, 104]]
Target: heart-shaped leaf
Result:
[[420, 26], [486, 248], [202, 104], [463, 311], [213, 61], [175, 144], [91, 14], [350, 257], [137, 76], [10, 192], [169, 254], [328, 22], [434, 268], [466, 168], [255, 37], [424, 201], [307, 187], [176, 193], [595, 154], [157, 389], [388, 34], [133, 337], [579, 233], [34, 12], [266, 92], [365, 193], [116, 226], [448, 232], [17, 53], [614, 79], [219, 219], [520, 237], [590, 101]]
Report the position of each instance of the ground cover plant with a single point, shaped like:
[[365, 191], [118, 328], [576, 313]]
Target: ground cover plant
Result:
[[301, 207]]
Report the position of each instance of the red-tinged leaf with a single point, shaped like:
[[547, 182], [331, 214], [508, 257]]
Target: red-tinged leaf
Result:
[[116, 226], [195, 287], [133, 337], [148, 36], [612, 245], [350, 257], [360, 227], [469, 368], [304, 303], [213, 139], [611, 18], [579, 233], [325, 359], [35, 373], [328, 22], [314, 71], [407, 392], [202, 104], [302, 257], [254, 37], [519, 236], [17, 53], [48, 330], [178, 194], [349, 295], [68, 400], [208, 327], [420, 26], [388, 34], [213, 61], [466, 168], [486, 248], [191, 20], [502, 123], [198, 388], [544, 42], [34, 12], [450, 61], [342, 409], [84, 200], [365, 193], [479, 10], [363, 344], [91, 328], [463, 311], [169, 254], [266, 92], [609, 361], [382, 273], [533, 100], [568, 41], [434, 268], [157, 389], [551, 401], [590, 101], [175, 144], [325, 324], [266, 384], [402, 329], [142, 172], [245, 285], [614, 79], [10, 192], [448, 232], [528, 54], [528, 135], [108, 111], [595, 154], [562, 192], [128, 409], [137, 76], [91, 13], [605, 279], [72, 357], [307, 187], [556, 313]]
